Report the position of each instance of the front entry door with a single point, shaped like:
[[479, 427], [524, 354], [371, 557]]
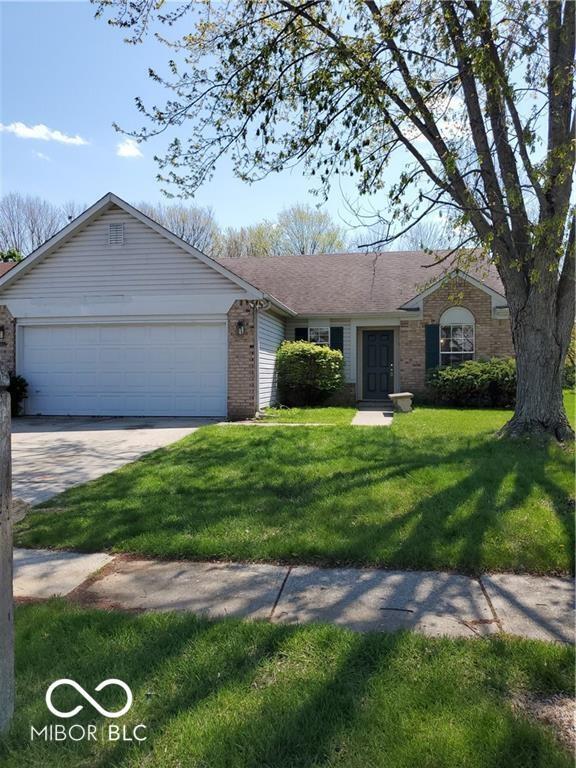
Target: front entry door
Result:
[[378, 364]]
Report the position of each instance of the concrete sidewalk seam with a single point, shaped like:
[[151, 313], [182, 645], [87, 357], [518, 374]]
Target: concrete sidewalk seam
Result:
[[361, 599], [490, 604], [279, 595]]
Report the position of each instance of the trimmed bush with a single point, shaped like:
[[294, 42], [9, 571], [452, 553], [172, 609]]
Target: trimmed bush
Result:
[[18, 393], [308, 373], [483, 384]]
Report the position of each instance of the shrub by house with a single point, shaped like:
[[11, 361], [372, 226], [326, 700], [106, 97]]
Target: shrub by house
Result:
[[485, 384], [308, 373]]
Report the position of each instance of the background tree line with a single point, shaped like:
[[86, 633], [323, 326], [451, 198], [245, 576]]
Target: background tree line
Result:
[[26, 222]]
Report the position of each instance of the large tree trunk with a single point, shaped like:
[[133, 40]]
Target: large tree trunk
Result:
[[541, 343]]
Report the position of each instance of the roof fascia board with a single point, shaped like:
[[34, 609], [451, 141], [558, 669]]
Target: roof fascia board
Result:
[[337, 314]]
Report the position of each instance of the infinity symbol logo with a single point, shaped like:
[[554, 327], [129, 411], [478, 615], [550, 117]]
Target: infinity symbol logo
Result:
[[86, 695]]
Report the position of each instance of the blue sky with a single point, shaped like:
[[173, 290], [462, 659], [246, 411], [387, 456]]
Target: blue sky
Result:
[[65, 70]]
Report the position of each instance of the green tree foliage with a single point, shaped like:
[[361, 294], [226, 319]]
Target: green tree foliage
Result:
[[475, 99], [299, 229], [10, 255]]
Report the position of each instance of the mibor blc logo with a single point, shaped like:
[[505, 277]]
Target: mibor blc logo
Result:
[[86, 695], [90, 732]]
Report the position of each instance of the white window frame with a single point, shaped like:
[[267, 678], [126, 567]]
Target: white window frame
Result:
[[457, 317], [321, 329]]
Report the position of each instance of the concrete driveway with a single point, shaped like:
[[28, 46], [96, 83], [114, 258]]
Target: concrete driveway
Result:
[[50, 454]]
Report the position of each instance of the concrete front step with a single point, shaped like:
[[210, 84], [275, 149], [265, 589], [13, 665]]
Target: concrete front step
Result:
[[375, 405]]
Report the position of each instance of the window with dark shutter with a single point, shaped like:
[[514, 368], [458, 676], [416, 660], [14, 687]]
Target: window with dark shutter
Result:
[[337, 337], [432, 346], [301, 334]]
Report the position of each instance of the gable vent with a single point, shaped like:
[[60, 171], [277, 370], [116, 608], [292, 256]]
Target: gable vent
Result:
[[116, 234]]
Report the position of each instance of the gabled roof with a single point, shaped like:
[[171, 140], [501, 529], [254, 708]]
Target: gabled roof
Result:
[[356, 283], [107, 201], [324, 284]]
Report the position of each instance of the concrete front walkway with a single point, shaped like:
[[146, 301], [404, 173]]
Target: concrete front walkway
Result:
[[50, 454], [433, 603], [372, 417]]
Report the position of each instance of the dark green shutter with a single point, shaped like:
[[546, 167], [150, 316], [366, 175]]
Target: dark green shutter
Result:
[[301, 334], [432, 346], [337, 338]]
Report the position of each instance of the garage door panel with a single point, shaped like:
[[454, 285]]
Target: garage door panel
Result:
[[133, 370]]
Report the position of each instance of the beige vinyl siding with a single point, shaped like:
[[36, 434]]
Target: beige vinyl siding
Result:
[[293, 323], [147, 263], [271, 333]]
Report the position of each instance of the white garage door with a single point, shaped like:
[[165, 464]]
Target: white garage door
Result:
[[124, 370]]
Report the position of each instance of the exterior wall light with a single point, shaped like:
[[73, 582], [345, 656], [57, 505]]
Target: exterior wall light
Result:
[[2, 333], [241, 327]]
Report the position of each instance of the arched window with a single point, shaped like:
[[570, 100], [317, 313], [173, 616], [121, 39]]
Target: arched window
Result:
[[456, 336]]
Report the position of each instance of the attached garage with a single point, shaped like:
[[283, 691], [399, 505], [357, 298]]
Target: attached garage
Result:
[[117, 316], [124, 369]]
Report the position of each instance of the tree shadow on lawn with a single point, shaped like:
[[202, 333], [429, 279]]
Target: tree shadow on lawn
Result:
[[353, 498], [247, 695], [456, 520]]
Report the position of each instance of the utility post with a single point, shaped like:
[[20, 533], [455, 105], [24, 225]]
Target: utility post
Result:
[[6, 596]]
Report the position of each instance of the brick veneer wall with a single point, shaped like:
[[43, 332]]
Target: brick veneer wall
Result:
[[8, 346], [493, 338], [241, 362]]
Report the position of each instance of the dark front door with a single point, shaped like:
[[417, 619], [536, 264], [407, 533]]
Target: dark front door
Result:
[[378, 364]]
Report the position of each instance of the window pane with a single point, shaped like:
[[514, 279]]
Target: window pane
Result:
[[319, 335], [457, 332], [456, 343], [452, 358]]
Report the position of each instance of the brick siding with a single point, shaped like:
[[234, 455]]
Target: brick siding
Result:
[[8, 345], [492, 337], [241, 362]]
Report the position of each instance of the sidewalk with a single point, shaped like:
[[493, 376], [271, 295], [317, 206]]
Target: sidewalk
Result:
[[434, 603]]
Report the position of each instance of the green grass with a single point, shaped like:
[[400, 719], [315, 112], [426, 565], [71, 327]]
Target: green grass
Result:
[[436, 490], [234, 694], [320, 415]]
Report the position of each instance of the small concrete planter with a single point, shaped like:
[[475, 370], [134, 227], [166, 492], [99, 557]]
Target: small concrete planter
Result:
[[402, 401]]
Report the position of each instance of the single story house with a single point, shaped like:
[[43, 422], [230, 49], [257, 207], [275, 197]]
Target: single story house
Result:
[[115, 315]]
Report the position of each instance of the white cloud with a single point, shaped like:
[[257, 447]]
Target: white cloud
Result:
[[128, 148], [41, 132], [42, 156]]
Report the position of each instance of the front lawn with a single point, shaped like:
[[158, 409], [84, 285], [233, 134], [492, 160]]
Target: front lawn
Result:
[[234, 694], [320, 415], [436, 490]]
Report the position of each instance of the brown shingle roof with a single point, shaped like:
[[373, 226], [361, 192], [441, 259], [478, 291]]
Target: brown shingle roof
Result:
[[350, 283], [5, 266]]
